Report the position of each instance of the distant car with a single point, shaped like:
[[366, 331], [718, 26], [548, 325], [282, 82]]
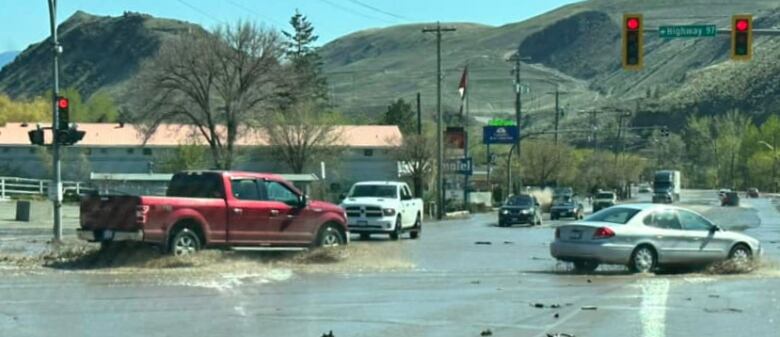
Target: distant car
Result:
[[730, 199], [645, 236], [520, 209], [722, 192], [752, 192], [645, 189], [604, 199], [566, 207]]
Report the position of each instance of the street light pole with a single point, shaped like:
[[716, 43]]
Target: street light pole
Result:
[[518, 116], [57, 174]]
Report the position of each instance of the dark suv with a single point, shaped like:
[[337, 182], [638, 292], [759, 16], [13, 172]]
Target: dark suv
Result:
[[520, 209], [730, 199]]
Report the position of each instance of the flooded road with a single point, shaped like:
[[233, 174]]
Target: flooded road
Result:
[[462, 278]]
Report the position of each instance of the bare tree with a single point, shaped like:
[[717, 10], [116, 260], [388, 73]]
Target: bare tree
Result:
[[303, 135], [417, 154], [215, 82]]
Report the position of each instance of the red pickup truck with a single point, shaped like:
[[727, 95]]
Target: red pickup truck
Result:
[[240, 210]]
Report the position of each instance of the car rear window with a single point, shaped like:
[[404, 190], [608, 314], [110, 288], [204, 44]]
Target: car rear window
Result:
[[196, 185], [605, 196], [615, 215]]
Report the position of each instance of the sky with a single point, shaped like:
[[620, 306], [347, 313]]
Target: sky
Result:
[[23, 22]]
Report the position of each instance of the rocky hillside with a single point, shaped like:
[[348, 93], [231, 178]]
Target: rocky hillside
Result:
[[99, 53]]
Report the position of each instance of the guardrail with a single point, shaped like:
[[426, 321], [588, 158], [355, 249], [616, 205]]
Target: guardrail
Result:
[[15, 186]]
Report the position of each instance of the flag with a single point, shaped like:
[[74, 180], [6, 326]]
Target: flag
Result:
[[463, 82], [464, 79]]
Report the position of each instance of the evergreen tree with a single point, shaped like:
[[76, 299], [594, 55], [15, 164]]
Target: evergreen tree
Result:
[[307, 82]]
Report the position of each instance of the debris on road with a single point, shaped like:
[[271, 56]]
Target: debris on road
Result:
[[486, 333], [560, 335], [476, 282], [509, 242], [329, 334], [555, 306], [556, 315], [714, 296], [689, 299], [538, 305], [589, 281], [483, 243], [712, 311], [589, 307]]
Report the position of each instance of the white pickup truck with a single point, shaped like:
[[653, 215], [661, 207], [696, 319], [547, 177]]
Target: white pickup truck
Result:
[[383, 207]]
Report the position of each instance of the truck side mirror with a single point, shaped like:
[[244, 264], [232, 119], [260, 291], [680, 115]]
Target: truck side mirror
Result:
[[342, 196], [303, 200]]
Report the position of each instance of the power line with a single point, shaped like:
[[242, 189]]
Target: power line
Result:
[[378, 10], [353, 12], [200, 11], [240, 6]]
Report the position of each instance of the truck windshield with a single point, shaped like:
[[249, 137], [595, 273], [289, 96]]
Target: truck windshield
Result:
[[605, 196], [374, 191], [196, 185]]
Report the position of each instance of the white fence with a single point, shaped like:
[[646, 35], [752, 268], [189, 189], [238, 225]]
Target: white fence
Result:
[[14, 186]]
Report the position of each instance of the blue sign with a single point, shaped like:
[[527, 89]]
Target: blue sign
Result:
[[499, 134], [460, 166]]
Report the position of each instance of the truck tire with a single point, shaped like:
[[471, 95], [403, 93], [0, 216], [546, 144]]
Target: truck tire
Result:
[[415, 234], [396, 234], [184, 242], [330, 236]]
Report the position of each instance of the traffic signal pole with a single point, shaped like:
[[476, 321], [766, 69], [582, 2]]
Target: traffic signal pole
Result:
[[57, 167]]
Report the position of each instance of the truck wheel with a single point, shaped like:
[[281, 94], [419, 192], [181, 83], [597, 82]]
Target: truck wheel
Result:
[[330, 237], [415, 234], [395, 235], [184, 242]]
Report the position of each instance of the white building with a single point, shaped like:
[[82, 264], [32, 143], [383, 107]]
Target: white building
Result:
[[114, 148]]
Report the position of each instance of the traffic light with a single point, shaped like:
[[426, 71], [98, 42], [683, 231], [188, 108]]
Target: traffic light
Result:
[[36, 136], [741, 37], [632, 42], [63, 106], [69, 136]]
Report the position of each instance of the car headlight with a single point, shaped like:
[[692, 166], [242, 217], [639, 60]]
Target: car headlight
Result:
[[388, 211], [504, 211], [525, 211]]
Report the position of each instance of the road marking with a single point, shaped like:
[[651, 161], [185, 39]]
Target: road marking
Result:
[[652, 311]]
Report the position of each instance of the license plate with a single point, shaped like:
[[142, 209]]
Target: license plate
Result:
[[515, 219], [575, 235], [108, 234], [362, 223]]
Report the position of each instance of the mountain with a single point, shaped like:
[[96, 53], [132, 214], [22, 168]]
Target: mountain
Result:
[[99, 53], [7, 57], [575, 48]]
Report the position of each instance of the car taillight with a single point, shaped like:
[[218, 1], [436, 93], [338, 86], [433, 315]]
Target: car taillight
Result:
[[557, 233], [140, 213], [603, 233]]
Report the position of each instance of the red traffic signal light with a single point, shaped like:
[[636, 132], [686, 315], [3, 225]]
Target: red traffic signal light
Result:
[[632, 23], [741, 37], [633, 40], [742, 25], [63, 102]]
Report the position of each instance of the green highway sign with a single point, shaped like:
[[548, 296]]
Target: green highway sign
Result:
[[669, 32], [501, 122]]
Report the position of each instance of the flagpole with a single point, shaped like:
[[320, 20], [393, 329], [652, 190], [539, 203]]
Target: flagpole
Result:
[[466, 145]]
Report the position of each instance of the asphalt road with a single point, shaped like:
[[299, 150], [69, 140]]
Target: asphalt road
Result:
[[461, 278]]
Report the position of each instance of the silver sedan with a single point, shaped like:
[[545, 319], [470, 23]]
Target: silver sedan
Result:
[[644, 236]]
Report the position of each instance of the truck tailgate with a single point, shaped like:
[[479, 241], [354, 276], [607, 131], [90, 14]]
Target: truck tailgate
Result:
[[109, 212]]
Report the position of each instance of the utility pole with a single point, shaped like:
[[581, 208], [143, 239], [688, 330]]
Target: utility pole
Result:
[[57, 174], [439, 153], [518, 114], [557, 94], [419, 116]]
